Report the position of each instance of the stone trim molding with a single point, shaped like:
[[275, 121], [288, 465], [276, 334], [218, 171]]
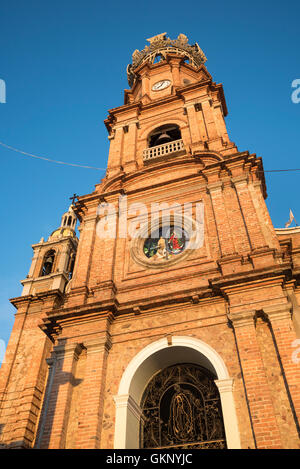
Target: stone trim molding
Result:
[[225, 387]]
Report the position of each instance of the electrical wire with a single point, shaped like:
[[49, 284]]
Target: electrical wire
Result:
[[104, 169], [49, 159]]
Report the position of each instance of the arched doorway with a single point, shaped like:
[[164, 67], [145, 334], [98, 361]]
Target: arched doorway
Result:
[[181, 409], [157, 356]]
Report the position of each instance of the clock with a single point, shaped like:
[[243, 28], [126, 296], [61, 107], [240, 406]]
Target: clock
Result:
[[161, 85]]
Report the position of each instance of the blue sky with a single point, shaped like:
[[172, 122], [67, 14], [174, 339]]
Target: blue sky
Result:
[[64, 65]]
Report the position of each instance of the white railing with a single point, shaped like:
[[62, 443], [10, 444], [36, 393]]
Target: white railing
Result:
[[162, 150]]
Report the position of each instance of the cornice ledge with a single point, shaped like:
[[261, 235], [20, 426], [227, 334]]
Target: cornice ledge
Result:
[[101, 308], [262, 251], [251, 278], [79, 291], [185, 90], [229, 258], [44, 279], [124, 108], [19, 300]]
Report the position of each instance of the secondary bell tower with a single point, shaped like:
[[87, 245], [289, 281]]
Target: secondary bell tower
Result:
[[177, 325]]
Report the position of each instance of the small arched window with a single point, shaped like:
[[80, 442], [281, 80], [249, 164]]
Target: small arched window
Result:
[[71, 266], [157, 58], [48, 263]]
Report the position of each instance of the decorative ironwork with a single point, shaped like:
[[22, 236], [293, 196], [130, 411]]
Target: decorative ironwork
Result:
[[182, 410], [160, 45]]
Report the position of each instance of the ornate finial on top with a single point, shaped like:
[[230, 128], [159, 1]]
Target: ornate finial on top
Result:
[[158, 37], [74, 196], [160, 45]]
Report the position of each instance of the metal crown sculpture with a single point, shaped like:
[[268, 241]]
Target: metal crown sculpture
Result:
[[160, 45]]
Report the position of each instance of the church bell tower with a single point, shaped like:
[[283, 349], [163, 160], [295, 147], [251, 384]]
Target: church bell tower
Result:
[[172, 322]]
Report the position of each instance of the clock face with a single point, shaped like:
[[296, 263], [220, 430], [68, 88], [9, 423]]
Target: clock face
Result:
[[161, 85]]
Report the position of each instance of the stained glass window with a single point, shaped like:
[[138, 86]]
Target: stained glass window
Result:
[[166, 242]]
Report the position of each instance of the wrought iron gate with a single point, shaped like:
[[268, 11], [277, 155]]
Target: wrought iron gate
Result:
[[181, 409]]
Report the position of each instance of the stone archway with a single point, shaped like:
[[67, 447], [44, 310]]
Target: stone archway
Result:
[[155, 357]]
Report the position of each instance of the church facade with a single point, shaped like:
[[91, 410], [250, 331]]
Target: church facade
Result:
[[173, 321]]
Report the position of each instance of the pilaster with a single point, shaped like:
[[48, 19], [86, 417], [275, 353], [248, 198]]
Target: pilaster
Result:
[[265, 425], [284, 336], [92, 397], [215, 190], [56, 420]]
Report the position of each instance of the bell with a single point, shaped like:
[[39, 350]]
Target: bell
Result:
[[163, 138]]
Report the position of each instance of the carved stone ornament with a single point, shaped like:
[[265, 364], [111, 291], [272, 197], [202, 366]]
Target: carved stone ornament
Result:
[[161, 45]]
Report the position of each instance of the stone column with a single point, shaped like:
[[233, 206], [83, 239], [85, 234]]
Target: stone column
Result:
[[127, 426], [85, 252], [63, 258], [265, 425], [145, 83], [56, 421], [284, 336], [209, 119], [35, 258], [224, 234], [23, 379], [220, 122], [92, 396], [51, 362], [225, 387], [129, 162], [193, 124], [115, 151], [252, 224]]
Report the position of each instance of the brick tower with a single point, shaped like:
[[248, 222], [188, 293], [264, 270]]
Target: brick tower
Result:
[[178, 326]]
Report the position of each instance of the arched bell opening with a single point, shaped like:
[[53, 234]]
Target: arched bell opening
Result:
[[48, 263], [71, 266], [158, 58], [164, 134]]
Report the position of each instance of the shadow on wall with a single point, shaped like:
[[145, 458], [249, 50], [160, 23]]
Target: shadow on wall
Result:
[[59, 382]]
